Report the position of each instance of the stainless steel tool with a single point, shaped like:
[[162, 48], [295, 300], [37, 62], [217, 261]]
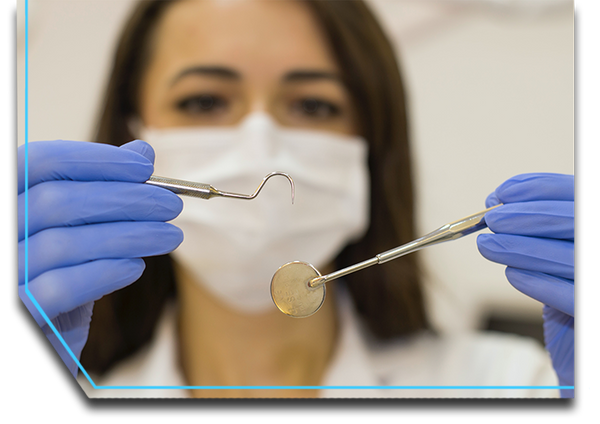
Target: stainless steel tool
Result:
[[298, 289], [206, 191]]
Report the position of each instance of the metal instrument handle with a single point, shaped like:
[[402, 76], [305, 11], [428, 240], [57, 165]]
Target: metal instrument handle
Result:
[[451, 231], [184, 188]]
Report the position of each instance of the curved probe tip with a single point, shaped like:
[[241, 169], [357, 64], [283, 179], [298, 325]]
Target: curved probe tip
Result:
[[253, 195], [272, 174]]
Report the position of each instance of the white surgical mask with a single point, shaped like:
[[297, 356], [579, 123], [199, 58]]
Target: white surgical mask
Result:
[[233, 247]]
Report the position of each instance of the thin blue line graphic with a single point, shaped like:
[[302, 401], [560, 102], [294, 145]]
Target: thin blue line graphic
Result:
[[72, 355], [26, 134], [335, 387], [26, 179]]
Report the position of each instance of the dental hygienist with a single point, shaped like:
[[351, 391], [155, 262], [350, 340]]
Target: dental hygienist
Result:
[[147, 291]]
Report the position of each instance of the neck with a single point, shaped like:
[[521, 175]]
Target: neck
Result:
[[223, 347]]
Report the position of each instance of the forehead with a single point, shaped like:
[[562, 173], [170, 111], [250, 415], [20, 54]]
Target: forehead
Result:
[[254, 36]]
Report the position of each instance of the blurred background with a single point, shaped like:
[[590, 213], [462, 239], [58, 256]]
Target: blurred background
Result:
[[491, 94]]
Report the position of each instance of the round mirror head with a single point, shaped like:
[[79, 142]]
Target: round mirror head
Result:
[[291, 293]]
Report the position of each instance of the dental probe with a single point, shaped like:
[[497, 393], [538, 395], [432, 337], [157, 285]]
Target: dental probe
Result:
[[207, 191]]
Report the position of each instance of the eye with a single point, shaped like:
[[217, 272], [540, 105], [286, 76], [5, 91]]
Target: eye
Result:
[[202, 104], [315, 108]]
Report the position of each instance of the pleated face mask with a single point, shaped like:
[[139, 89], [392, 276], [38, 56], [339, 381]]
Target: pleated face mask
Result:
[[233, 247]]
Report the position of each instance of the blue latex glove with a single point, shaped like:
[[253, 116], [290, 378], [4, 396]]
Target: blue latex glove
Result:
[[90, 223], [534, 237]]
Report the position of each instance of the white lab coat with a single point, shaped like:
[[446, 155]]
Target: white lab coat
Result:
[[476, 359]]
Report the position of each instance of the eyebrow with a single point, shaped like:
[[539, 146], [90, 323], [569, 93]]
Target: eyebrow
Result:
[[232, 74], [215, 71]]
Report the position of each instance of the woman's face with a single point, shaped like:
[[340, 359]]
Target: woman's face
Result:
[[215, 61]]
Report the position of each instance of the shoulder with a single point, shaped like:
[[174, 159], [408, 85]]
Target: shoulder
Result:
[[465, 365], [472, 359]]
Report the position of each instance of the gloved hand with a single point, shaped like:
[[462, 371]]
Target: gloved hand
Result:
[[90, 222], [534, 237]]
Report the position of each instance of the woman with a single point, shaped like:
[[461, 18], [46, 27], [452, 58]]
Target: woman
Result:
[[226, 92]]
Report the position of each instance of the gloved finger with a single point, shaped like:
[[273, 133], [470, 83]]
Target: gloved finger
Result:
[[492, 200], [71, 203], [61, 247], [544, 218], [80, 161], [65, 289], [141, 147], [547, 289], [554, 257], [537, 186]]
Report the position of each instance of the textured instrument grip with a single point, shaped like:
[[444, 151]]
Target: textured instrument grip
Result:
[[184, 188]]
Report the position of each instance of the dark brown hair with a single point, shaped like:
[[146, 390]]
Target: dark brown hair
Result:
[[388, 298]]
